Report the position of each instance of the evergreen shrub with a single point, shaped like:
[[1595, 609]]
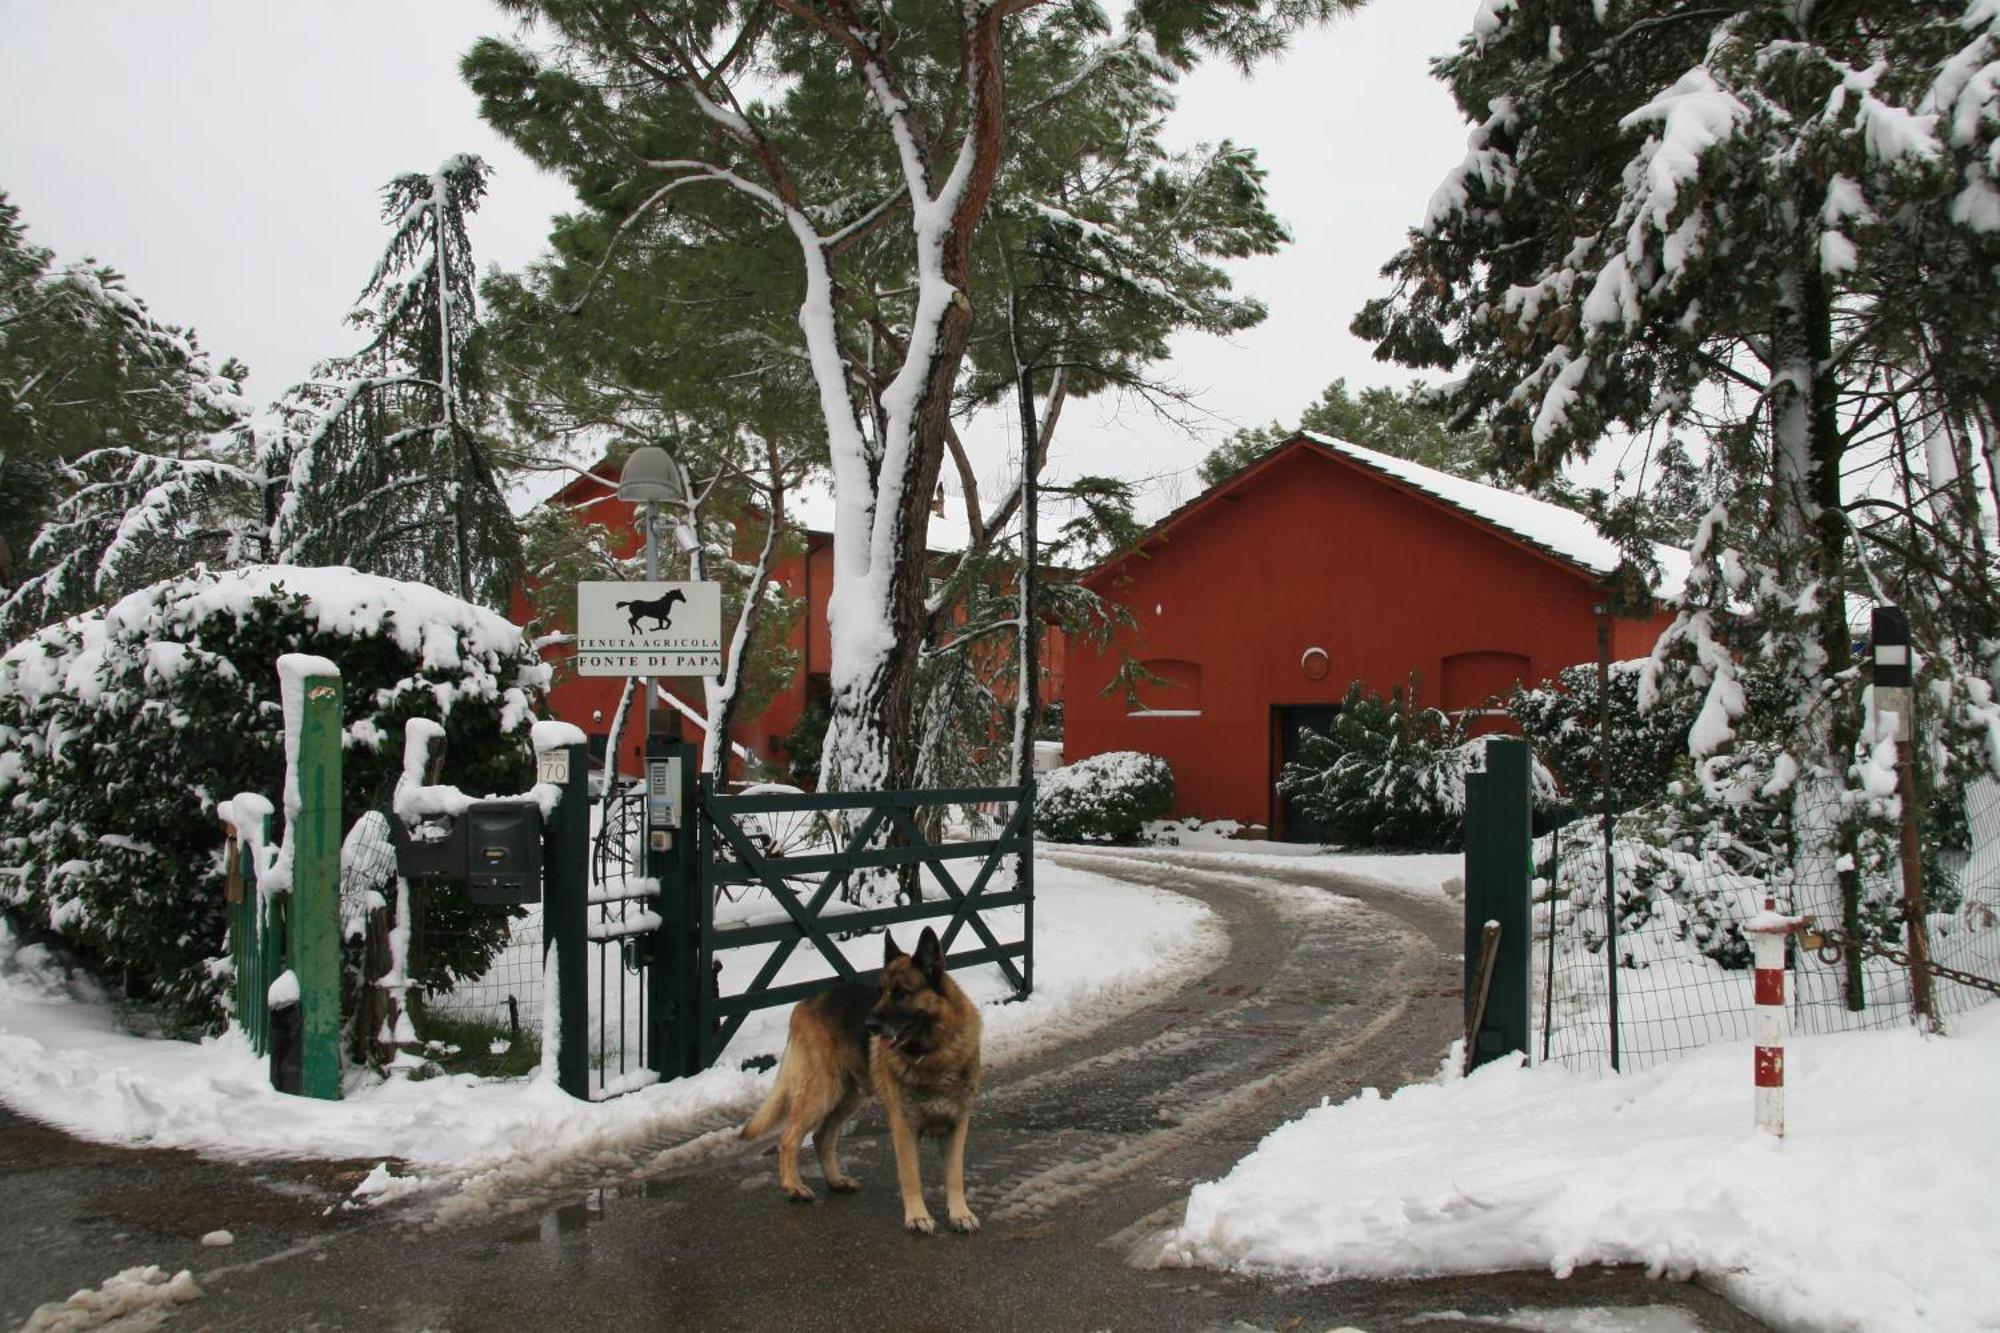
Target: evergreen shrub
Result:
[[122, 729], [1391, 773], [1105, 798], [1561, 719]]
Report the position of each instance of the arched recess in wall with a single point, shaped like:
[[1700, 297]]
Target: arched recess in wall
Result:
[[1175, 693], [1481, 680]]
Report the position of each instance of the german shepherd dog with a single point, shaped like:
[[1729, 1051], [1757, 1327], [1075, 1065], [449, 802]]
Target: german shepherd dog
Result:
[[915, 1040], [659, 608]]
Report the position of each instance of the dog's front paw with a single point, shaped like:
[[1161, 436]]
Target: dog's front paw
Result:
[[842, 1184], [965, 1221], [919, 1224], [798, 1193]]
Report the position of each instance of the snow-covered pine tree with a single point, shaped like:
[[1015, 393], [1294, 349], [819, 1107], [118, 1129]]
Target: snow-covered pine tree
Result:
[[853, 138], [1764, 220], [120, 460], [383, 465]]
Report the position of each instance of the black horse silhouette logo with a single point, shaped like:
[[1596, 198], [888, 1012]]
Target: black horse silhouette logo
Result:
[[657, 608]]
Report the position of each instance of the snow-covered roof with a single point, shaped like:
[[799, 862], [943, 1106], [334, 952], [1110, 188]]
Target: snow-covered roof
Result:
[[1550, 527]]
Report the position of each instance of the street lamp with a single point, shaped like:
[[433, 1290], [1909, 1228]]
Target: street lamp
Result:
[[649, 479]]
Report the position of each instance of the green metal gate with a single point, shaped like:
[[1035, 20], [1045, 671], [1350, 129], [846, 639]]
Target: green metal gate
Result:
[[883, 831], [710, 878]]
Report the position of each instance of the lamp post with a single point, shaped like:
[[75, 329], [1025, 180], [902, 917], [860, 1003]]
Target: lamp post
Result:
[[649, 479]]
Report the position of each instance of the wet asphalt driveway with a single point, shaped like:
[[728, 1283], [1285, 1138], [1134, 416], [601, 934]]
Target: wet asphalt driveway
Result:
[[1080, 1156]]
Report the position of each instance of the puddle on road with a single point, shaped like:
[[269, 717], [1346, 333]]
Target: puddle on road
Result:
[[596, 1205]]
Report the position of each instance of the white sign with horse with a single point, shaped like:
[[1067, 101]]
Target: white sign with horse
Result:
[[649, 628]]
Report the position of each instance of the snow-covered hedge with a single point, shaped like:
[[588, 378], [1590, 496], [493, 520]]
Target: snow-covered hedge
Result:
[[121, 730], [1107, 797]]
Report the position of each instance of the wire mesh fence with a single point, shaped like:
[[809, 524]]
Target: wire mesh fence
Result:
[[507, 996], [1674, 968]]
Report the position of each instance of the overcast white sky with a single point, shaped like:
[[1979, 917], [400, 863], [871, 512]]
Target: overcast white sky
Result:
[[227, 156]]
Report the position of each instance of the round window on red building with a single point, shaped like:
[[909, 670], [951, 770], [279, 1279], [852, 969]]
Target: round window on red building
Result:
[[1315, 663]]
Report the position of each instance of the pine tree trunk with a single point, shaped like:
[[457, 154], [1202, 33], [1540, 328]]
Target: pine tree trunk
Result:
[[1811, 523], [872, 741]]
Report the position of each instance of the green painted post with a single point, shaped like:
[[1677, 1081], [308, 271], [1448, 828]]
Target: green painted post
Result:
[[566, 904], [1027, 877], [312, 696], [1498, 868], [1478, 817], [696, 904]]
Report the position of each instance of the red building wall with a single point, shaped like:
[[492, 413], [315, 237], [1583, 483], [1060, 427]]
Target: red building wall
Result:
[[1315, 552]]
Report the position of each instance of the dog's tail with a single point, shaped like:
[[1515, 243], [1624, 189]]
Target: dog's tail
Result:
[[773, 1110]]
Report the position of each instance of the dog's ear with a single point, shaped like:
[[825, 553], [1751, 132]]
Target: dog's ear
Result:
[[890, 953], [930, 957]]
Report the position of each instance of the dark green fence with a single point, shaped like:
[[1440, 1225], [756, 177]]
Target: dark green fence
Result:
[[256, 924], [868, 836]]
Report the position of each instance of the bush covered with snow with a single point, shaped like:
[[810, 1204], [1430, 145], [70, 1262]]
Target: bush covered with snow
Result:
[[121, 730], [1105, 798], [1561, 719], [1391, 773]]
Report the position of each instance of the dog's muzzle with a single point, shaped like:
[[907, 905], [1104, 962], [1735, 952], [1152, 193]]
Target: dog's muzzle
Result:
[[891, 1035]]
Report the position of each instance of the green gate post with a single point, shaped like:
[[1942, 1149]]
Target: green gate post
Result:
[[1027, 881], [566, 901], [672, 835], [313, 927], [1498, 866]]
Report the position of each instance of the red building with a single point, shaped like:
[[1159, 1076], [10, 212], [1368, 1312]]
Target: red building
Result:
[[1259, 602], [591, 702]]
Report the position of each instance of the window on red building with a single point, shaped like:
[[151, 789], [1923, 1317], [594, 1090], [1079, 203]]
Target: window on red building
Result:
[[1479, 681], [1175, 690]]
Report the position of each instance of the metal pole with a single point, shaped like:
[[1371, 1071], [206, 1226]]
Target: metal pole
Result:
[[1549, 969], [1767, 931], [651, 520], [1604, 809], [1031, 667]]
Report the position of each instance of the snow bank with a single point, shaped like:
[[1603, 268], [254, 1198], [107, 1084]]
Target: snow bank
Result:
[[1874, 1215]]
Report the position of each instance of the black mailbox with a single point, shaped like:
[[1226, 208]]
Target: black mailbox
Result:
[[503, 852], [431, 848]]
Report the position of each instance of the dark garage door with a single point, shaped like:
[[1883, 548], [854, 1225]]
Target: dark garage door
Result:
[[1293, 824]]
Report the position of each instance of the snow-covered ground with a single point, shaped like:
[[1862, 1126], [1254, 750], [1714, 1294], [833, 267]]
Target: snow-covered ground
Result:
[[67, 1060], [1874, 1215]]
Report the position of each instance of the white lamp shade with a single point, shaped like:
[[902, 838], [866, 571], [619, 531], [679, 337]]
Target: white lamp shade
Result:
[[649, 475]]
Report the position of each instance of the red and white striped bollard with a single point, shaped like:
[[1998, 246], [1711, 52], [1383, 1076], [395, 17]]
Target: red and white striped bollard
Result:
[[1767, 931]]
